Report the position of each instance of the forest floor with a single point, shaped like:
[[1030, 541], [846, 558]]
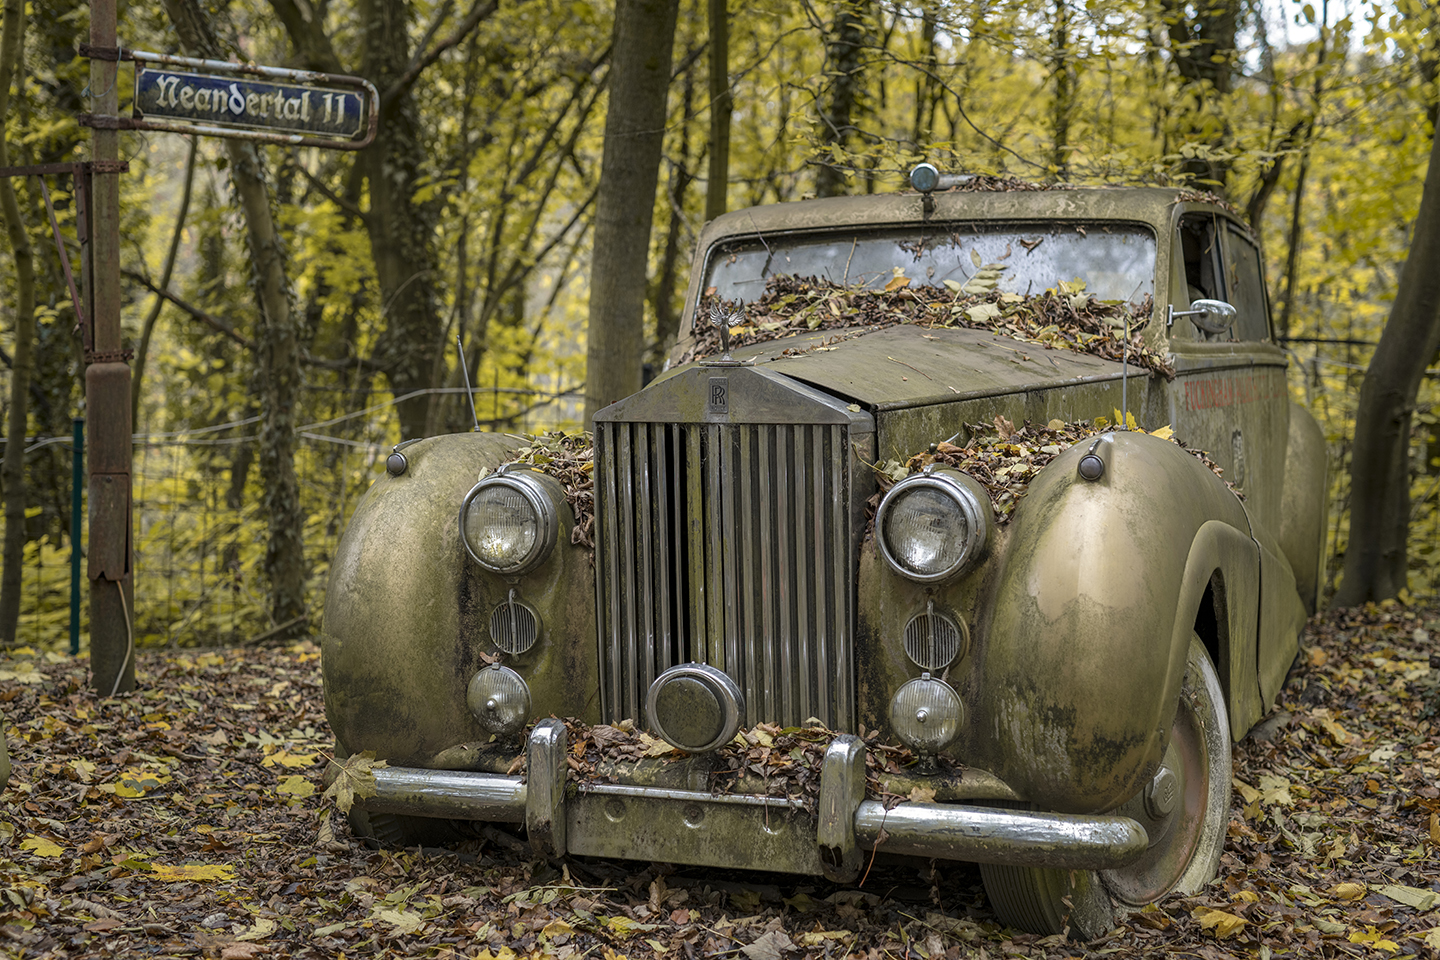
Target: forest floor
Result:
[[185, 820]]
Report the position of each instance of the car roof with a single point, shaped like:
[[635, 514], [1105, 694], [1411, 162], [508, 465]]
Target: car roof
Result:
[[1151, 205]]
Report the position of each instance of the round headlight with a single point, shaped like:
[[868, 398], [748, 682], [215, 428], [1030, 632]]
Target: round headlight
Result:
[[508, 523], [933, 525]]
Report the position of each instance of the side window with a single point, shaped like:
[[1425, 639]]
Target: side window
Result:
[[1199, 247], [1247, 287]]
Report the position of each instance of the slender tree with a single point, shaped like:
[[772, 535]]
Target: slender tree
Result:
[[277, 347], [837, 118], [721, 105], [12, 43], [629, 174], [1375, 559]]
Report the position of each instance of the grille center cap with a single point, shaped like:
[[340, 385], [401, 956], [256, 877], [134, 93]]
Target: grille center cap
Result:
[[694, 707]]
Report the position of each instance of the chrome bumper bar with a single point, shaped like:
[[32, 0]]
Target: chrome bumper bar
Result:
[[767, 833]]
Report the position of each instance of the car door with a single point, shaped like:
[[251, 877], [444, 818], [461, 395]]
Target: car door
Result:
[[1229, 396]]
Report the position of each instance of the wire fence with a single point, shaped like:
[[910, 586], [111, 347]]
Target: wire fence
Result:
[[200, 531]]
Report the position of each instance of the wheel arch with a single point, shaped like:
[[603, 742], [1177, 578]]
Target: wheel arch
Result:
[[1219, 597]]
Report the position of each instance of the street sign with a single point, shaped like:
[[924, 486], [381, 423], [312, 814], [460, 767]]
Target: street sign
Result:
[[248, 104], [244, 101]]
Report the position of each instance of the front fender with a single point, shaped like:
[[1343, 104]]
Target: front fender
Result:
[[407, 612], [1085, 653]]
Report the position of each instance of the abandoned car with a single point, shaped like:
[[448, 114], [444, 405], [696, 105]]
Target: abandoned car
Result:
[[972, 521]]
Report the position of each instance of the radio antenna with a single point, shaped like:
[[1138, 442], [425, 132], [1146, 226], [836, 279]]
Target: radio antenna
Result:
[[470, 393]]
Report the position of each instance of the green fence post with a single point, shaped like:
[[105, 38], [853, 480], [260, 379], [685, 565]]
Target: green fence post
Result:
[[77, 486]]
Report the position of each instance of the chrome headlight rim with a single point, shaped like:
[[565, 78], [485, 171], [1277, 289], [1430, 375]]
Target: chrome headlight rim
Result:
[[529, 486], [968, 496]]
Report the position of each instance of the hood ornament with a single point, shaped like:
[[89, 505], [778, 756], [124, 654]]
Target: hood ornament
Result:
[[724, 316]]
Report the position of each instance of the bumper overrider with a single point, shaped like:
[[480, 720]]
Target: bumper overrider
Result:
[[746, 831]]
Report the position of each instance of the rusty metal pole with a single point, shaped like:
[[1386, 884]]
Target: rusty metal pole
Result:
[[107, 390]]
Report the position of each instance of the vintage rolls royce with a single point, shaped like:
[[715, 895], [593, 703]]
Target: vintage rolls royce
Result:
[[972, 521]]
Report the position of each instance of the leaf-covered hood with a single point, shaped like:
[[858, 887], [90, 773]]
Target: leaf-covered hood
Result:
[[912, 365]]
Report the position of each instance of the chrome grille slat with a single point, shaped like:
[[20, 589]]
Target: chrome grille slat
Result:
[[729, 544], [627, 554], [695, 527], [645, 554]]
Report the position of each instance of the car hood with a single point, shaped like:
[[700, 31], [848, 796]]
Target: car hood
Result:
[[911, 365]]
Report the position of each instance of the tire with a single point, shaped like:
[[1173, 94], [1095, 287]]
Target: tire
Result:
[[1186, 843], [390, 831]]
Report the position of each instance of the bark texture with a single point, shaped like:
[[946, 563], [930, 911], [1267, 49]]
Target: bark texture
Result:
[[1375, 559], [1202, 45], [837, 126], [13, 470], [401, 230], [277, 348], [721, 104], [629, 173]]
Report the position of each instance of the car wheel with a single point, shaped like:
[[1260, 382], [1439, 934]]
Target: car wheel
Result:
[[1185, 814], [390, 831]]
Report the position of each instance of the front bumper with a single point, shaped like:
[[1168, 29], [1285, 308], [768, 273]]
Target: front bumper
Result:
[[752, 832]]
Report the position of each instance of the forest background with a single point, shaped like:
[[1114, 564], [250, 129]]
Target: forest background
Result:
[[473, 214]]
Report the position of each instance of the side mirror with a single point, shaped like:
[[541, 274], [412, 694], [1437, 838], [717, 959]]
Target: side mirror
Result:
[[1212, 316]]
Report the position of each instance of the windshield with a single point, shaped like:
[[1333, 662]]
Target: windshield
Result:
[[1114, 262]]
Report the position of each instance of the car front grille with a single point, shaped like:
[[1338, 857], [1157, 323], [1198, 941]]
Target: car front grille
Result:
[[732, 545]]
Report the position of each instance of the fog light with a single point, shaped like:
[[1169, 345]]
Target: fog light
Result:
[[695, 707], [499, 699], [926, 714]]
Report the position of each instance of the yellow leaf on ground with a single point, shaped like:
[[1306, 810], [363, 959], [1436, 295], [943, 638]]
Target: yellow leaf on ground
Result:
[[1349, 891], [1375, 939], [262, 929], [193, 871], [1218, 922], [555, 928], [896, 282], [41, 846], [404, 921], [296, 786], [1418, 897], [1249, 793], [1164, 433], [818, 937], [291, 760]]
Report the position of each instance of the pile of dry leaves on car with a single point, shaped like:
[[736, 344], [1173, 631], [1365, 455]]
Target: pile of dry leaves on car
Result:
[[1064, 318], [186, 820], [1005, 458], [570, 459], [764, 760]]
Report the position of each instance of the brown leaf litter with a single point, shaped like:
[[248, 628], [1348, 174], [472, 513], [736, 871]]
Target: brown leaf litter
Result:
[[1063, 318], [185, 820]]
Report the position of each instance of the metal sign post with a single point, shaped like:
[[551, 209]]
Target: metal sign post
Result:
[[181, 95]]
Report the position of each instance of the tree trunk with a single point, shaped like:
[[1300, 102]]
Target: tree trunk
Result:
[[148, 327], [1202, 46], [837, 126], [11, 46], [629, 173], [401, 230], [1375, 559], [277, 349], [1063, 67], [721, 104], [667, 307]]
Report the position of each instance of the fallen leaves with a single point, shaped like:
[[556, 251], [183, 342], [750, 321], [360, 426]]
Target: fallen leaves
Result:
[[1064, 318], [354, 777], [220, 862]]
